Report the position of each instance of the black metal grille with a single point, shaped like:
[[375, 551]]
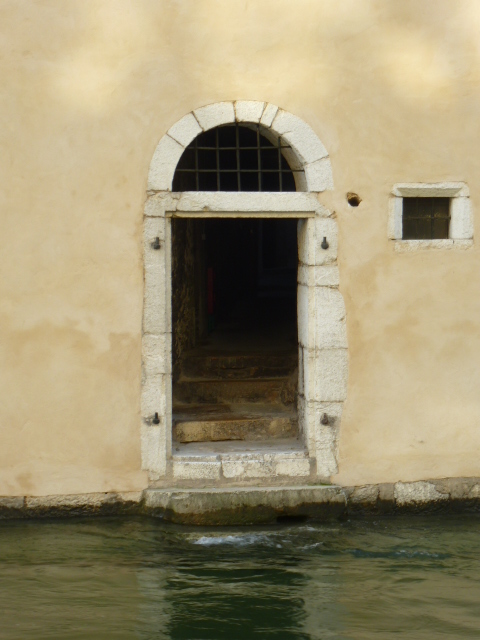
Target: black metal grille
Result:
[[234, 158], [426, 218]]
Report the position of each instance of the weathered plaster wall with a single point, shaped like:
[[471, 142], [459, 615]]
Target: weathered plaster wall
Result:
[[88, 88]]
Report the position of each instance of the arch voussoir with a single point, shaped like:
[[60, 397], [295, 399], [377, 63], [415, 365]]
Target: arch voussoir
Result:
[[214, 115], [249, 111], [185, 130]]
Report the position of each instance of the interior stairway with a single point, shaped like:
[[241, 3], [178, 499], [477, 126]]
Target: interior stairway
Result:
[[224, 396]]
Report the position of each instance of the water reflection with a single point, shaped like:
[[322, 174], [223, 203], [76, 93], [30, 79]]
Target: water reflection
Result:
[[397, 578]]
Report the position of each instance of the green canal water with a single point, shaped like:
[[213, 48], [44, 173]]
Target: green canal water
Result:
[[415, 578]]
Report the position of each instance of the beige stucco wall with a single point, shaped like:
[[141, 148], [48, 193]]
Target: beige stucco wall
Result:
[[89, 87]]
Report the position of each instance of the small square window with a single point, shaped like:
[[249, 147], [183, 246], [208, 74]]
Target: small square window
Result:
[[425, 218], [429, 215]]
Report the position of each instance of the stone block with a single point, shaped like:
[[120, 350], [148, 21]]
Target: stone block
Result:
[[461, 223], [306, 423], [306, 316], [332, 374], [11, 502], [293, 467], [386, 492], [417, 493], [334, 413], [268, 115], [457, 488], [463, 244], [306, 275], [154, 207], [153, 227], [395, 218], [408, 246], [153, 447], [82, 501], [366, 495], [299, 135], [326, 228], [248, 110], [154, 396], [474, 491], [156, 318], [326, 438], [319, 175], [213, 115], [266, 466], [156, 499], [248, 468], [156, 361], [185, 130], [430, 189], [247, 202], [66, 501], [164, 161], [331, 332], [306, 241], [195, 470], [327, 275], [309, 374]]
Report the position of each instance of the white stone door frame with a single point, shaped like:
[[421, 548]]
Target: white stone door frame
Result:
[[323, 363]]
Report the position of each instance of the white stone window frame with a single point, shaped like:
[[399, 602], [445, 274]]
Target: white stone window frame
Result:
[[323, 358], [461, 217]]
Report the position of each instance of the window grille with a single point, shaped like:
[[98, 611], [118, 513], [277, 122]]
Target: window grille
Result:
[[234, 158], [426, 218]]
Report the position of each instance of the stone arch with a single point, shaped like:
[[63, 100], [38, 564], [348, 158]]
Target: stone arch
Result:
[[322, 339], [308, 152]]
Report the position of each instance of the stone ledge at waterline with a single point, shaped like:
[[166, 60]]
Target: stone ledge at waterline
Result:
[[256, 505], [243, 506]]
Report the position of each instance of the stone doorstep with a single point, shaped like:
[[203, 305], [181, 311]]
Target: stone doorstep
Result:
[[242, 450], [232, 466], [243, 506]]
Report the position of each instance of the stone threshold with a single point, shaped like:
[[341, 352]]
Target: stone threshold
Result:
[[227, 505]]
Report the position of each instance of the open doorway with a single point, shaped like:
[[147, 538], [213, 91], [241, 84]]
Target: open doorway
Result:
[[234, 324]]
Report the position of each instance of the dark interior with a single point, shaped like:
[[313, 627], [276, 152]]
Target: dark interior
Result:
[[235, 352], [233, 284]]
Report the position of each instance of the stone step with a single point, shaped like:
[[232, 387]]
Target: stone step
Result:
[[240, 365], [248, 422], [246, 506], [201, 390]]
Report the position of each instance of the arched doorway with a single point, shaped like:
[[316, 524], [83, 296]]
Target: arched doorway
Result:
[[231, 186], [234, 333]]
